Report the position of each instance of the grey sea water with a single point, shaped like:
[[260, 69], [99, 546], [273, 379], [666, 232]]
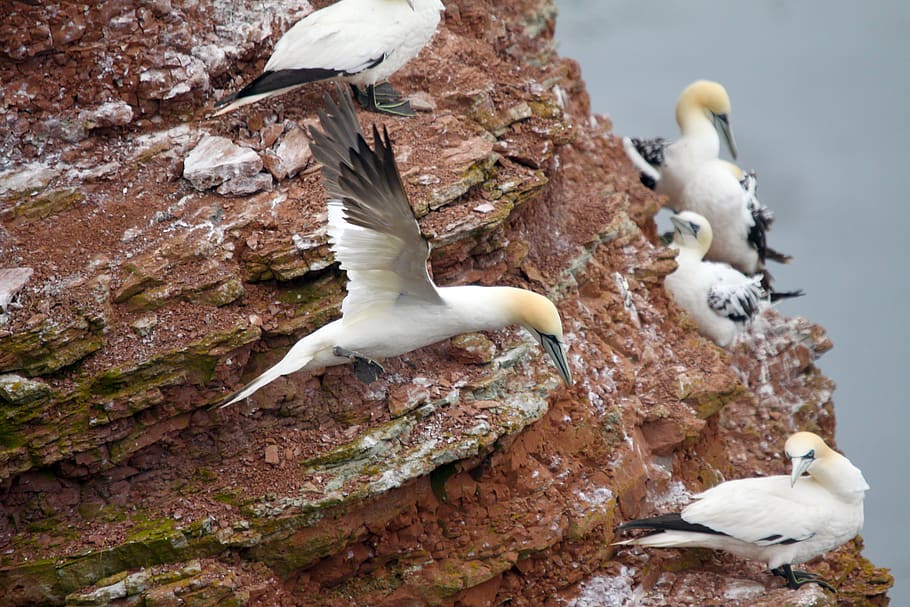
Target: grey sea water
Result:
[[820, 93]]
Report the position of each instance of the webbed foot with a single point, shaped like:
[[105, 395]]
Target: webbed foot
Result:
[[382, 98], [366, 369], [796, 578]]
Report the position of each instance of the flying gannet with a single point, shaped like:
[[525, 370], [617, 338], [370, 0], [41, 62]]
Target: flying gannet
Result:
[[703, 108], [782, 520], [719, 298], [392, 305], [362, 42]]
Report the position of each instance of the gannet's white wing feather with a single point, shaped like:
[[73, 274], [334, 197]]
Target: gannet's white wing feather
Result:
[[761, 511], [340, 37], [371, 225], [734, 295]]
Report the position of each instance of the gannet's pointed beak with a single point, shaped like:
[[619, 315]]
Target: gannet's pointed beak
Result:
[[800, 465], [722, 122], [684, 227], [411, 4], [553, 347]]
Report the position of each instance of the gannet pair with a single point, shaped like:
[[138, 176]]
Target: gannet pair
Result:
[[690, 173], [719, 298], [392, 305], [361, 42], [781, 520]]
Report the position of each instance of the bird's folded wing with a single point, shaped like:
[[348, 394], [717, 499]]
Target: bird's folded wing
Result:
[[650, 151], [757, 513], [370, 222], [735, 296], [346, 43]]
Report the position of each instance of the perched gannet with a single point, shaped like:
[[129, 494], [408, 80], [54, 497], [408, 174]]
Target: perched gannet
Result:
[[392, 305], [702, 109], [720, 299], [727, 197], [781, 520], [362, 42]]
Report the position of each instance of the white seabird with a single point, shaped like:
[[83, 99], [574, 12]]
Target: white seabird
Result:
[[719, 298], [703, 108], [781, 520], [392, 305], [361, 42], [728, 198]]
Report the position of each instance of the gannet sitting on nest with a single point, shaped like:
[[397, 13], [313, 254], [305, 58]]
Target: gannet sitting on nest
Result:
[[703, 108], [778, 519], [720, 299], [727, 197], [362, 42], [392, 305]]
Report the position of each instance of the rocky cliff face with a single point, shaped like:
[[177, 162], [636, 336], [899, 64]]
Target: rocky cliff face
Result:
[[146, 280]]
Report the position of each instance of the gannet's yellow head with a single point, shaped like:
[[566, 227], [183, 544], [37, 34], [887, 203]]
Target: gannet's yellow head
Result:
[[704, 98], [538, 315], [804, 449], [692, 231]]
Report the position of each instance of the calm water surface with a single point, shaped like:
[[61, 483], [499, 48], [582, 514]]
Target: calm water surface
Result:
[[820, 93]]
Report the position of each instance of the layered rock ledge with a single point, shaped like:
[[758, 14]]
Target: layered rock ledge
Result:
[[141, 283]]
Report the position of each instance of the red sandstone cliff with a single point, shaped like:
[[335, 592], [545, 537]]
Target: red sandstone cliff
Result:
[[467, 475]]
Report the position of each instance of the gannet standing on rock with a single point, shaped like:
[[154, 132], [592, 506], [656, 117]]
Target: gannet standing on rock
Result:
[[362, 42], [720, 299], [392, 305], [703, 108], [782, 520]]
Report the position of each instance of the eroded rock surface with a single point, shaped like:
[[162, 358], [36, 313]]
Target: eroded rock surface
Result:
[[467, 475]]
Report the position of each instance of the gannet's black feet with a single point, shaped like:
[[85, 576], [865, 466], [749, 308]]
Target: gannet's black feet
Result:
[[382, 98], [795, 579], [365, 369]]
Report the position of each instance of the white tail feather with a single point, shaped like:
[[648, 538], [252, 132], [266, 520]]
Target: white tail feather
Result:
[[290, 363]]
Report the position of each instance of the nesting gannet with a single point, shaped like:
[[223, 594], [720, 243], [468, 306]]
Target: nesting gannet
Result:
[[362, 42], [727, 197], [392, 305], [719, 298], [703, 108], [782, 520]]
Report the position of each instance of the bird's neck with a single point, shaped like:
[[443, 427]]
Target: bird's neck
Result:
[[689, 252], [836, 474], [482, 308], [695, 125]]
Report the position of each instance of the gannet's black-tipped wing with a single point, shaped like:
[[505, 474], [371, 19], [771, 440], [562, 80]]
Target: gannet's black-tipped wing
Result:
[[371, 225], [761, 511], [648, 157], [274, 82], [735, 296], [667, 522], [340, 134]]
